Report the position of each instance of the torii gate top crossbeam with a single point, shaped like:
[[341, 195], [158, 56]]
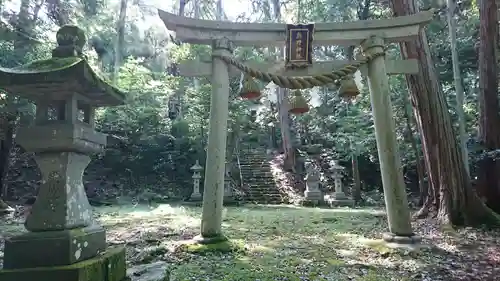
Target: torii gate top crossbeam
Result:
[[197, 31]]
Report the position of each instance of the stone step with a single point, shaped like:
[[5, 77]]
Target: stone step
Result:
[[266, 197], [270, 190], [258, 177], [264, 190], [269, 195], [266, 200], [256, 171], [255, 165], [261, 186]]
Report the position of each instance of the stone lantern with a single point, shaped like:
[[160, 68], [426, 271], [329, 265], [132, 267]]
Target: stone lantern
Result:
[[312, 193], [197, 168], [339, 198], [63, 241]]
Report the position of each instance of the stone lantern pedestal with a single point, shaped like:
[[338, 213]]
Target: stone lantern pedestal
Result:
[[63, 241], [339, 198], [312, 194], [196, 196]]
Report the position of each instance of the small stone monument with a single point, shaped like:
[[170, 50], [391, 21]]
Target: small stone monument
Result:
[[339, 198], [312, 193], [196, 195], [63, 241]]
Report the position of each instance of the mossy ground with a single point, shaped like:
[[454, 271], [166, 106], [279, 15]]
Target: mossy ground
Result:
[[270, 243]]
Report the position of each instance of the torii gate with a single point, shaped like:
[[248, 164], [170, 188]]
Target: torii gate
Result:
[[372, 35]]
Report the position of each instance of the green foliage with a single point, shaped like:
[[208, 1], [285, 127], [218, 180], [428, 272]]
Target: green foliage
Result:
[[146, 145]]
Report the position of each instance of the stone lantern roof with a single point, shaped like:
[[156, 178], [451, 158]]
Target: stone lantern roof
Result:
[[197, 167], [66, 73]]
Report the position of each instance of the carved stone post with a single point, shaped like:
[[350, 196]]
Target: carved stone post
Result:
[[313, 193], [196, 195], [216, 153], [396, 202]]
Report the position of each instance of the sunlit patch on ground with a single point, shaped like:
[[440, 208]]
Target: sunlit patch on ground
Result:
[[272, 243]]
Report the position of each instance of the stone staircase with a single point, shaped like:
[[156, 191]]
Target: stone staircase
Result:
[[258, 178]]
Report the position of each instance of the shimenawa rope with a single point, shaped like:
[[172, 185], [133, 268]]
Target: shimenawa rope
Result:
[[305, 82]]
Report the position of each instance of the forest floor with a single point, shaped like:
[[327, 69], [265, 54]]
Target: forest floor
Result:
[[272, 243]]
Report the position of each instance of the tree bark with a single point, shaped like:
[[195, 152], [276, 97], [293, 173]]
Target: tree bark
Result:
[[282, 106], [488, 177], [120, 40], [356, 190], [459, 89], [458, 203], [411, 138]]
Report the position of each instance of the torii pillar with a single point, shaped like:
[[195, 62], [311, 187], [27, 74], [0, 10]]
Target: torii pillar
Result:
[[398, 212], [213, 193]]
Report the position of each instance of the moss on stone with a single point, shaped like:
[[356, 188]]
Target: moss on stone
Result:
[[116, 266], [95, 269], [48, 65], [109, 266], [45, 67]]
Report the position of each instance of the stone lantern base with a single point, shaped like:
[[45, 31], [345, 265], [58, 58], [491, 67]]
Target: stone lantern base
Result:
[[108, 266], [53, 248], [196, 197], [313, 197], [339, 199]]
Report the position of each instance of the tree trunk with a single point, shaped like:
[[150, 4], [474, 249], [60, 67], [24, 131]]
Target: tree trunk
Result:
[[458, 203], [356, 190], [411, 138], [488, 177], [282, 105], [120, 40], [459, 89], [363, 13]]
